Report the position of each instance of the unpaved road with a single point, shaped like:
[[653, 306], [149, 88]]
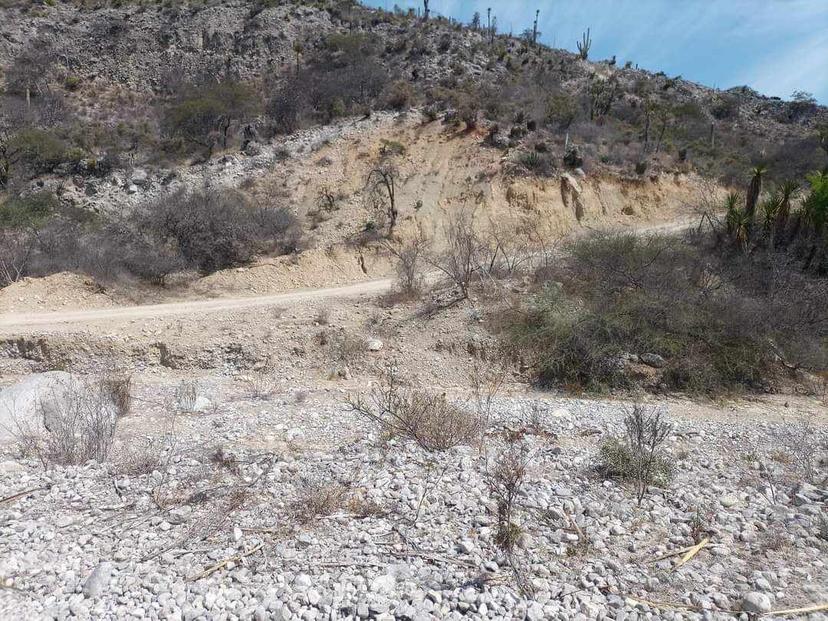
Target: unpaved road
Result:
[[19, 322]]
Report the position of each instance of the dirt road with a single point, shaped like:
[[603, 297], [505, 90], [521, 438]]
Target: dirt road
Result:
[[19, 322]]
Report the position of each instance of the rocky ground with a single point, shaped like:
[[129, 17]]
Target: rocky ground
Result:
[[238, 498]]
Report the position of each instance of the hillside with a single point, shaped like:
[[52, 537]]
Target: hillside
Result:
[[314, 311], [138, 102]]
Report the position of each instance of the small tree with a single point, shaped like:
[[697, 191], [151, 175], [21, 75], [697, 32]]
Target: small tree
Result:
[[505, 479], [205, 113], [475, 22], [460, 261], [382, 193]]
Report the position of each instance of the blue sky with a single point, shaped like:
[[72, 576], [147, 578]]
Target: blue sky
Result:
[[774, 46]]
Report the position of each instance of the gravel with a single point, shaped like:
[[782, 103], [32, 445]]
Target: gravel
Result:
[[412, 534]]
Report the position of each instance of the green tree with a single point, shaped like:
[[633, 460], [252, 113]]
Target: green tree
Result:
[[205, 114]]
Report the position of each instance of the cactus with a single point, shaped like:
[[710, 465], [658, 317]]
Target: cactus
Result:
[[535, 28], [584, 44]]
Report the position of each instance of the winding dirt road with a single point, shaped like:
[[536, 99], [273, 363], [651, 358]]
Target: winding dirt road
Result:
[[17, 322]]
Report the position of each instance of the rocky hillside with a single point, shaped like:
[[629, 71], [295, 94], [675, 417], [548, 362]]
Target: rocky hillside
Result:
[[108, 110], [112, 75]]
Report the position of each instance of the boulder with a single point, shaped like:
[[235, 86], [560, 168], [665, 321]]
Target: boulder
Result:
[[139, 177], [374, 345]]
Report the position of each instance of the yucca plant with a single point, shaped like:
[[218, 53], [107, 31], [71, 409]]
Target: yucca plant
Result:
[[769, 208], [737, 221], [754, 190], [788, 191], [732, 205]]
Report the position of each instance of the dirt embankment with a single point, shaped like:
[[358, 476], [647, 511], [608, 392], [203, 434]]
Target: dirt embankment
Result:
[[439, 172]]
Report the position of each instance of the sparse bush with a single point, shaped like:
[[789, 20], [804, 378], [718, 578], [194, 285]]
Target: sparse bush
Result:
[[431, 420], [639, 456], [505, 479], [409, 267], [77, 421]]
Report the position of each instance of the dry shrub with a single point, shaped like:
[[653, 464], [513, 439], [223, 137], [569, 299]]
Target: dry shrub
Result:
[[343, 347], [504, 479], [317, 500], [119, 389], [186, 396], [639, 456], [77, 422], [431, 420], [260, 384]]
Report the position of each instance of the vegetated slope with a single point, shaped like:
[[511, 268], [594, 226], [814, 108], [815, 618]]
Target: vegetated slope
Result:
[[132, 95]]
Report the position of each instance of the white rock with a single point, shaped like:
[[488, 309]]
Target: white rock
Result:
[[756, 602], [98, 580], [383, 584]]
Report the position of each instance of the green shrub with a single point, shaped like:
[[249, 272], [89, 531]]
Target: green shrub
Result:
[[36, 151], [27, 211], [617, 461], [71, 82], [723, 321]]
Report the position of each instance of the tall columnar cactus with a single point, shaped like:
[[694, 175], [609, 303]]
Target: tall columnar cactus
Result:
[[584, 44], [535, 28], [426, 10]]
